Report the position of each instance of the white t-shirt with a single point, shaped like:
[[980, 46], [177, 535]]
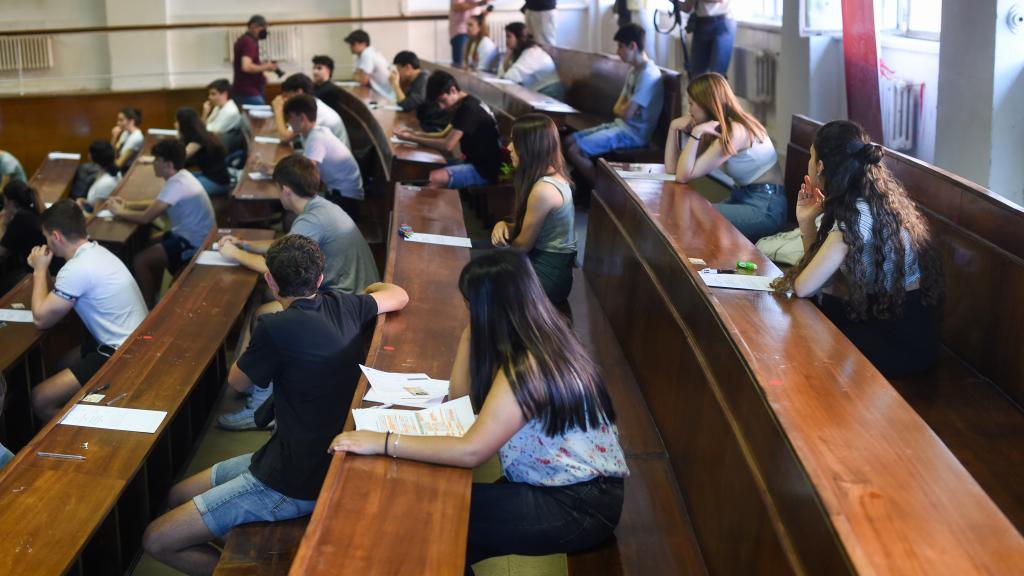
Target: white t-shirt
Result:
[[713, 8], [338, 168], [190, 210], [102, 187], [328, 118], [105, 295], [224, 119], [534, 69], [486, 57], [374, 64], [129, 141]]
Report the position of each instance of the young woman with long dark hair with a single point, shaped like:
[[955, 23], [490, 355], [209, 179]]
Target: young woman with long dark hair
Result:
[[204, 151], [543, 409], [481, 53], [544, 225], [718, 133], [20, 231], [528, 64], [871, 264]]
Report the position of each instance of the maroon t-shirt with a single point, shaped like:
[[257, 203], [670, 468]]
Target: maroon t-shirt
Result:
[[246, 84]]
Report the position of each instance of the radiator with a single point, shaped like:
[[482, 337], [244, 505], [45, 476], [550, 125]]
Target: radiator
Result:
[[901, 106], [26, 53], [281, 45], [753, 75], [496, 22]]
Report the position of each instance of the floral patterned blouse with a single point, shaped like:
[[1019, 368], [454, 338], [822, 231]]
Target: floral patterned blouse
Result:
[[533, 457]]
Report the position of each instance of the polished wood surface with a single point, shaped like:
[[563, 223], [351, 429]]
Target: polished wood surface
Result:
[[388, 516], [53, 179], [792, 452], [263, 156], [57, 512]]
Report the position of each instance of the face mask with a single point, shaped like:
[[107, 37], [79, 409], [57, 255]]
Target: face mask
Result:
[[262, 35]]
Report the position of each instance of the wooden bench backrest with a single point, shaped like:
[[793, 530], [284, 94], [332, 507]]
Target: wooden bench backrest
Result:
[[981, 238], [594, 81]]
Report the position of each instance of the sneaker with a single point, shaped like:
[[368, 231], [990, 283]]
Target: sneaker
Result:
[[244, 419]]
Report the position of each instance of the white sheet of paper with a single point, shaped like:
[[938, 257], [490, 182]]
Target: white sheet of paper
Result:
[[440, 239], [211, 258], [256, 106], [347, 83], [397, 140], [9, 315], [738, 281], [114, 418], [105, 214], [392, 107], [162, 132], [258, 176], [94, 398], [452, 418], [628, 175], [267, 140], [261, 113], [64, 156], [402, 389], [496, 80]]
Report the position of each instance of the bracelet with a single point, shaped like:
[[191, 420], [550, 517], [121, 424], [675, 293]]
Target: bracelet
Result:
[[387, 438], [394, 452], [690, 135]]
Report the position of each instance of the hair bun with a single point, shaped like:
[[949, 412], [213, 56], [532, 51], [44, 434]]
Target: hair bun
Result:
[[872, 153]]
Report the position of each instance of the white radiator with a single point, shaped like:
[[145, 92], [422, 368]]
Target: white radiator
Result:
[[901, 106], [496, 22], [281, 44], [26, 53], [753, 75]]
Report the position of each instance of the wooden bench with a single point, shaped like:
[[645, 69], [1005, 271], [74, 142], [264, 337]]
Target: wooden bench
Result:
[[53, 179], [355, 527], [792, 453], [593, 83], [87, 517], [972, 399]]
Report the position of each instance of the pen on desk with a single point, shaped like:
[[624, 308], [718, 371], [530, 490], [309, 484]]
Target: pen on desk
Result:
[[99, 389], [60, 456], [717, 271], [116, 398]]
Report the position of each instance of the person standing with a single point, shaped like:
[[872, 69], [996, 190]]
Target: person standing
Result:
[[714, 31], [540, 20], [248, 83], [458, 17]]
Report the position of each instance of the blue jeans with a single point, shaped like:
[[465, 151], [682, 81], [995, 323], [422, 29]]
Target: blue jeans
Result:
[[756, 210], [712, 46], [464, 176], [237, 497], [5, 455], [458, 43], [606, 137], [212, 188], [252, 100]]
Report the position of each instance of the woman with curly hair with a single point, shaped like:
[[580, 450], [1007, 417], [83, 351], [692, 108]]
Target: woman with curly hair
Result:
[[871, 264]]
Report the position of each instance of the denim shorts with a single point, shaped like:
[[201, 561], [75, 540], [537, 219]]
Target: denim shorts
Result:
[[463, 176], [178, 250], [237, 497], [607, 137]]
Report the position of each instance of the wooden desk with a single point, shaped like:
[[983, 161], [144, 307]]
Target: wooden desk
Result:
[[387, 516], [258, 200], [88, 516], [794, 455], [53, 179]]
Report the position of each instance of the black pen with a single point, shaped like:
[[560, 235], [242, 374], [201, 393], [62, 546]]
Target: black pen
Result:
[[717, 271], [99, 389]]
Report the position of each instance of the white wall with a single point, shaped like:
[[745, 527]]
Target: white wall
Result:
[[918, 60]]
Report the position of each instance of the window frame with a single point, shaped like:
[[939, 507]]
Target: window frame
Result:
[[903, 24]]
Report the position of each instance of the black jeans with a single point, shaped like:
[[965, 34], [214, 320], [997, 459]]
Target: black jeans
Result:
[[517, 518]]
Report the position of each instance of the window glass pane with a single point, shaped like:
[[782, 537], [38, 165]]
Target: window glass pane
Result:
[[890, 14], [823, 15], [756, 10], [925, 16]]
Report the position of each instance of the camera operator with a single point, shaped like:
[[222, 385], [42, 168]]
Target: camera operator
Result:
[[248, 84]]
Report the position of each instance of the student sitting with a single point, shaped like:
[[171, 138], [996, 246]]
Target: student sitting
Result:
[[126, 137], [10, 169], [371, 66], [544, 226], [188, 206], [96, 284], [203, 151], [636, 111], [473, 136], [102, 154], [871, 263], [543, 409], [221, 115], [20, 231], [739, 145], [350, 265], [528, 64], [323, 88], [297, 85], [338, 167], [481, 53], [311, 352], [408, 81]]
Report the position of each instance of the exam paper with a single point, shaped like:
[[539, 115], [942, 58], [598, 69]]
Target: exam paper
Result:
[[440, 239], [347, 83], [113, 418], [106, 214], [258, 176], [211, 258], [496, 80], [392, 107], [256, 106], [261, 113], [64, 156], [413, 390], [162, 132], [738, 281], [266, 140], [449, 419], [628, 175], [397, 140], [9, 315]]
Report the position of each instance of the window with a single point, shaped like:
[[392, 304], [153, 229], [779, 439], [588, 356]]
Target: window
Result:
[[758, 11], [914, 18]]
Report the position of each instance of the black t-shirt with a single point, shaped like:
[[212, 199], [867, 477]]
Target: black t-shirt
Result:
[[210, 161], [416, 94], [311, 352], [480, 141], [22, 235], [540, 5]]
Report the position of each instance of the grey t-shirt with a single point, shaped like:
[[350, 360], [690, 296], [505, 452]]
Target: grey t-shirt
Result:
[[349, 265], [189, 208], [10, 167]]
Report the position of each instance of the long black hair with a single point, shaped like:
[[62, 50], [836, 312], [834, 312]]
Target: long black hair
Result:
[[537, 144], [191, 129], [23, 196], [524, 40], [515, 329]]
